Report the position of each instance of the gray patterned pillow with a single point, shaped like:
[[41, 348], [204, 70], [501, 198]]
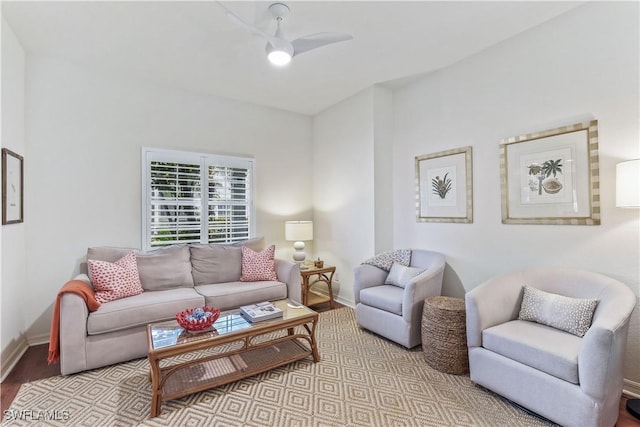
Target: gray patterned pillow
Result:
[[385, 260], [572, 315]]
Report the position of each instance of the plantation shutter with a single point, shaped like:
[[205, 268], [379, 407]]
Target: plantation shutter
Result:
[[176, 202], [229, 204], [195, 198]]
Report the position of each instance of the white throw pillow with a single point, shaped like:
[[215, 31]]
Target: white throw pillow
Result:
[[572, 315], [401, 275]]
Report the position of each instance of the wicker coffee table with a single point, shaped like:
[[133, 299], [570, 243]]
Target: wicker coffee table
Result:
[[233, 350]]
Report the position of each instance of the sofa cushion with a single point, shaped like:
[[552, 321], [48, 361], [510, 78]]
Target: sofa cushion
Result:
[[385, 297], [115, 280], [572, 315], [220, 262], [401, 275], [258, 266], [255, 244], [162, 268], [215, 263], [165, 268], [235, 294], [139, 310], [539, 346]]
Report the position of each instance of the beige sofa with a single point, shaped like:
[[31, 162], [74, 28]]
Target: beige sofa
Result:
[[174, 278]]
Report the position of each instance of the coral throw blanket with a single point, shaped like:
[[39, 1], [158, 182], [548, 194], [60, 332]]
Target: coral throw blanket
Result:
[[77, 287]]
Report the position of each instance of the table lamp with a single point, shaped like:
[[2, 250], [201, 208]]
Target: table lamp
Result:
[[298, 232]]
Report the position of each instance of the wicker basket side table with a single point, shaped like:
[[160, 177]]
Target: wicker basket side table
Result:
[[444, 334]]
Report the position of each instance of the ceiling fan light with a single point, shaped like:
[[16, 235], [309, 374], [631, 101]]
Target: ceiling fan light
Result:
[[279, 57]]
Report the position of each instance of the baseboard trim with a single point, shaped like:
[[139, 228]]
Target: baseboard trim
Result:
[[631, 389], [344, 302], [38, 339], [11, 356]]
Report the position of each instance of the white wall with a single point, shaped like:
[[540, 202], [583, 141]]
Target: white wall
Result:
[[85, 133], [351, 153], [12, 237], [383, 167], [580, 66], [343, 192]]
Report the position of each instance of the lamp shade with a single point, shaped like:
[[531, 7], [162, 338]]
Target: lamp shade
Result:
[[628, 184], [295, 231]]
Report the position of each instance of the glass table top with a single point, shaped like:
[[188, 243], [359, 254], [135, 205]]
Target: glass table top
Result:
[[169, 333]]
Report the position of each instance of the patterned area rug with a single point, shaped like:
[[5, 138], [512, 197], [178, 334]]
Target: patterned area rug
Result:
[[362, 380]]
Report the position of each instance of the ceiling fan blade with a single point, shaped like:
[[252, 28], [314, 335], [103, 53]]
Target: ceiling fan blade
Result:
[[313, 41], [245, 25]]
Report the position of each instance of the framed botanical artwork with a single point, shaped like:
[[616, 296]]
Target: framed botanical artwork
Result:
[[551, 177], [12, 187], [444, 186]]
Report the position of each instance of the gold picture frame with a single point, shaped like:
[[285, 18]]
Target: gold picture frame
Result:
[[12, 187], [444, 186], [551, 177]]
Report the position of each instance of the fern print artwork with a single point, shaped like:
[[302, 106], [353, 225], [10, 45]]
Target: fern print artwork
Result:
[[443, 193], [441, 186]]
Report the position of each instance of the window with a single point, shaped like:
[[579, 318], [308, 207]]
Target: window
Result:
[[195, 198]]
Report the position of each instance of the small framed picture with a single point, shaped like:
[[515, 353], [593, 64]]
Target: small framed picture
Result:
[[551, 177], [444, 186], [12, 187]]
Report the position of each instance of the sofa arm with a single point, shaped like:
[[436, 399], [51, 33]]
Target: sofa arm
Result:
[[73, 331], [289, 274], [424, 285], [601, 356], [491, 303], [367, 276]]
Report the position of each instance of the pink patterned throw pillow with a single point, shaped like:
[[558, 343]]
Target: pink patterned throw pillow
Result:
[[115, 280], [257, 266]]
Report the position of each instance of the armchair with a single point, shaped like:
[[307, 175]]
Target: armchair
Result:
[[571, 380], [392, 311]]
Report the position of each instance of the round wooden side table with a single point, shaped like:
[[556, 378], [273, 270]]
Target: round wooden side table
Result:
[[444, 334]]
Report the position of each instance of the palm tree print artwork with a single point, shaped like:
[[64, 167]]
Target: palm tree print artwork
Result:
[[441, 186], [542, 172]]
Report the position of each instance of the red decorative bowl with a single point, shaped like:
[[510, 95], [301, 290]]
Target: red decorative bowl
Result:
[[191, 323]]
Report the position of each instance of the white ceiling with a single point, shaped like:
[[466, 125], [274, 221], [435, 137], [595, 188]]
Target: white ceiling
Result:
[[193, 46]]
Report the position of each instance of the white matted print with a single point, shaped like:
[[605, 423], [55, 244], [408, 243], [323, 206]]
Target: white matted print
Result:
[[12, 187], [444, 186], [551, 177]]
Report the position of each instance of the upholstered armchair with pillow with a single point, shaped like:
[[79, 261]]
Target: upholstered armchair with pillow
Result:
[[552, 341], [390, 290]]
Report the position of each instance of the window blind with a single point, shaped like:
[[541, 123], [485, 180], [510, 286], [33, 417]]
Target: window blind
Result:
[[195, 198], [228, 204]]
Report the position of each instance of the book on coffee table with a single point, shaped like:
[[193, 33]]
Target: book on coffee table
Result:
[[260, 311]]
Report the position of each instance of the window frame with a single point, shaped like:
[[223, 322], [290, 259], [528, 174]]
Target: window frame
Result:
[[205, 160]]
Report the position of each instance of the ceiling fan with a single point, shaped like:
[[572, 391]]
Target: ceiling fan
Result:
[[280, 50]]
